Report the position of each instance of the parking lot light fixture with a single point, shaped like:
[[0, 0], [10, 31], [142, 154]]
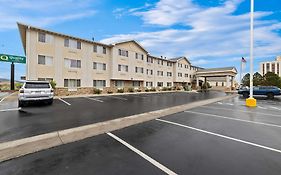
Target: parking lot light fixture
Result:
[[251, 101]]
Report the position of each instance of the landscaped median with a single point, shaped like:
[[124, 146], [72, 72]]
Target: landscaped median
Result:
[[17, 148]]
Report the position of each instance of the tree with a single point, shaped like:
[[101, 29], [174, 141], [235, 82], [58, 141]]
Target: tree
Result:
[[258, 79], [246, 80], [272, 79]]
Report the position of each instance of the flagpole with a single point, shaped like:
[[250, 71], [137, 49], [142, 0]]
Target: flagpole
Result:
[[251, 102]]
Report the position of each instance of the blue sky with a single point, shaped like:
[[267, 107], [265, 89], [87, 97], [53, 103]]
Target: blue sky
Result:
[[213, 33]]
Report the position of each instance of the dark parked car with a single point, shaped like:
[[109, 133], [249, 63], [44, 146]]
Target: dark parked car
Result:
[[269, 91]]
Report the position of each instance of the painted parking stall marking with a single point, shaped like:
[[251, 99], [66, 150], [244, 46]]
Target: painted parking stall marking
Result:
[[64, 101], [11, 109], [7, 96], [220, 135], [94, 99], [236, 119], [143, 155], [237, 110], [120, 98]]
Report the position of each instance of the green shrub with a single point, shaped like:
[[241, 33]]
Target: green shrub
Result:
[[97, 91], [139, 90], [164, 89], [178, 88], [109, 92], [130, 89], [153, 89], [146, 90], [120, 90], [169, 88], [53, 84]]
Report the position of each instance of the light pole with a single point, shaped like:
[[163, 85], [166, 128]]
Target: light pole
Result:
[[251, 102]]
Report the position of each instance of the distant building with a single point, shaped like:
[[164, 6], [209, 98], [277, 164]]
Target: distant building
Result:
[[271, 66]]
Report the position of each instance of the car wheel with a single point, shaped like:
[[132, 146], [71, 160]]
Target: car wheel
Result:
[[245, 94], [50, 102], [270, 95], [21, 104]]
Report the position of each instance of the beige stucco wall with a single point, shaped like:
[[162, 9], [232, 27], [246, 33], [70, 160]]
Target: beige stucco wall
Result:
[[87, 74]]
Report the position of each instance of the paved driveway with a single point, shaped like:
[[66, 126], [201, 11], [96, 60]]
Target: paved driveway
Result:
[[67, 113], [220, 138]]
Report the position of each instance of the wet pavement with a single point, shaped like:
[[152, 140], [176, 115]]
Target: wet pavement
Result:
[[73, 112], [220, 138]]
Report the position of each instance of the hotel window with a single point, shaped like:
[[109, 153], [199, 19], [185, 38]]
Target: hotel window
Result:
[[179, 74], [267, 68], [158, 61], [162, 62], [124, 53], [72, 43], [160, 73], [169, 64], [71, 63], [160, 84], [72, 83], [186, 75], [119, 83], [169, 74], [139, 70], [278, 71], [149, 71], [123, 68], [99, 49], [190, 76], [45, 60], [99, 66], [149, 84], [99, 83], [263, 69], [136, 83], [149, 60], [169, 84], [45, 79], [44, 38], [139, 56], [273, 67]]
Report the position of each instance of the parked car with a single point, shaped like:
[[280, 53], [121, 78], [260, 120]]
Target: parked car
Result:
[[35, 91], [269, 91]]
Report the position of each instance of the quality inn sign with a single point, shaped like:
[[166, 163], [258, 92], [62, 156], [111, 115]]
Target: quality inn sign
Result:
[[12, 58]]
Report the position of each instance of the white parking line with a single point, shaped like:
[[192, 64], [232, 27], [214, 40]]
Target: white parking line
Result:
[[143, 155], [7, 96], [120, 98], [64, 101], [220, 103], [11, 109], [275, 108], [229, 104], [138, 96], [94, 99], [220, 135], [229, 118], [237, 110], [261, 107]]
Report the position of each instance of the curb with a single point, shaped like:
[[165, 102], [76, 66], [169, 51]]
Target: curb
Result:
[[125, 93], [21, 147]]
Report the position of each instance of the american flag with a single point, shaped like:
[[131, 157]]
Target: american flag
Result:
[[243, 60]]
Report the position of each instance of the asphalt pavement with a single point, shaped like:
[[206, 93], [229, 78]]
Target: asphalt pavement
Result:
[[16, 123], [220, 138]]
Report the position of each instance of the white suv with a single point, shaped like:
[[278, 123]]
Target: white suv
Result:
[[35, 91]]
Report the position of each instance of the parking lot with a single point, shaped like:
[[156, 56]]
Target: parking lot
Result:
[[220, 138], [67, 113]]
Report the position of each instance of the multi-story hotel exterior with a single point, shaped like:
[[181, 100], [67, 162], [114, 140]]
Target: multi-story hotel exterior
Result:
[[271, 66], [78, 65]]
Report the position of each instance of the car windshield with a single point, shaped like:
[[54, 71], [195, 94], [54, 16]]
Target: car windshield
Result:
[[33, 85]]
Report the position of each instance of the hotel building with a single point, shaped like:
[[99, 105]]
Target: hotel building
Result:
[[78, 65], [271, 66]]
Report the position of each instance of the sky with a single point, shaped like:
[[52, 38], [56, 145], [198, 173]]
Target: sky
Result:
[[210, 33]]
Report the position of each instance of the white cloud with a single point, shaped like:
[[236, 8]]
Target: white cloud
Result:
[[209, 34], [41, 13]]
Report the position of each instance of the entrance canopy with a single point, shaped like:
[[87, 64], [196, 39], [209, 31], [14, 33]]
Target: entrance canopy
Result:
[[226, 73]]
